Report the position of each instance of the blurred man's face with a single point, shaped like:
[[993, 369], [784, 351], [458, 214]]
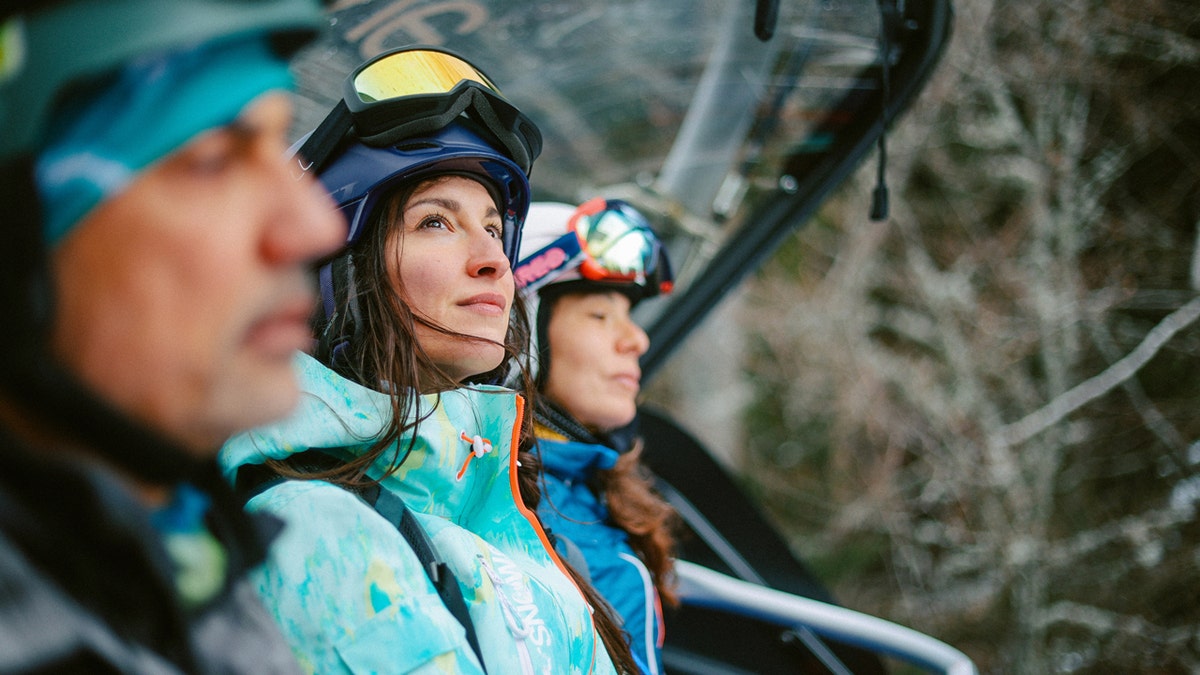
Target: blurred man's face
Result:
[[183, 299]]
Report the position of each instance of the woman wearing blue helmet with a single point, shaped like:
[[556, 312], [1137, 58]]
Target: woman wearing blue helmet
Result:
[[413, 544]]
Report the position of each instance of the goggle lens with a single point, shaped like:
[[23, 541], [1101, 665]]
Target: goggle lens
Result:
[[417, 91], [415, 73], [619, 245]]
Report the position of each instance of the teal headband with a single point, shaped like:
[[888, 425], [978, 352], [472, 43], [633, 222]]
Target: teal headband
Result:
[[152, 107]]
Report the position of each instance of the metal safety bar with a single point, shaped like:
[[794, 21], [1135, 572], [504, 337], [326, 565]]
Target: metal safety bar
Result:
[[703, 587]]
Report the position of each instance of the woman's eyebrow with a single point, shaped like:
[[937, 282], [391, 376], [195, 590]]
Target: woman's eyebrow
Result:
[[443, 202], [446, 203]]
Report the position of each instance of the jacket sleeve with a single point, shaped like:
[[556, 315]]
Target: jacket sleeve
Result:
[[348, 592]]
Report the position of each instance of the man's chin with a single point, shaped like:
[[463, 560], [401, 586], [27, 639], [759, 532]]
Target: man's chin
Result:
[[268, 397]]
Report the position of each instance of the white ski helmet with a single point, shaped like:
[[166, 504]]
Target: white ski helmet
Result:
[[600, 245]]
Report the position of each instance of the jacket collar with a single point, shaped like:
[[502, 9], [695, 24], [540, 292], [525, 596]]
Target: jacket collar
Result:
[[573, 459], [457, 473]]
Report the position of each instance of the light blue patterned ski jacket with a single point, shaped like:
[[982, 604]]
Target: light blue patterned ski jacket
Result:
[[343, 583]]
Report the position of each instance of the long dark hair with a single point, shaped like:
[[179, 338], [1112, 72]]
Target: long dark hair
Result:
[[635, 507], [385, 349]]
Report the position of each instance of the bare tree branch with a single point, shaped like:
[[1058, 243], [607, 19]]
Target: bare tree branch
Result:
[[1095, 387]]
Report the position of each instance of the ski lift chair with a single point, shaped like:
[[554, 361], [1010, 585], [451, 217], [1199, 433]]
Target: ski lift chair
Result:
[[748, 605]]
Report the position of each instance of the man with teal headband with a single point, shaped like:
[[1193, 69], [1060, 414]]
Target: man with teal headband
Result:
[[154, 279]]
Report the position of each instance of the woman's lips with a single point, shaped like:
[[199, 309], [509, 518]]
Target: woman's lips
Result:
[[631, 381], [486, 303]]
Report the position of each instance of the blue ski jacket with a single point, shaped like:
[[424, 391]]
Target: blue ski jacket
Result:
[[570, 508]]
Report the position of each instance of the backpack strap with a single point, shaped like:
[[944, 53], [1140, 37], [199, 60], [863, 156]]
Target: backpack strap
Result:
[[398, 514], [254, 479]]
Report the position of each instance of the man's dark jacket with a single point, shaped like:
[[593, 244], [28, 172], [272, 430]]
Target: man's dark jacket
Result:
[[86, 585]]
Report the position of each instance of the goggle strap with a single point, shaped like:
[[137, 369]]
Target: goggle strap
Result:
[[473, 101], [486, 113], [547, 263], [321, 143], [424, 125], [663, 271]]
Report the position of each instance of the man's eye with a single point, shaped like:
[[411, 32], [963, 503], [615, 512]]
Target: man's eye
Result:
[[210, 164], [209, 155]]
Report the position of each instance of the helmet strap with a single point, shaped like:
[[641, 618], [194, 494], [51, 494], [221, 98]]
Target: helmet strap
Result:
[[342, 315]]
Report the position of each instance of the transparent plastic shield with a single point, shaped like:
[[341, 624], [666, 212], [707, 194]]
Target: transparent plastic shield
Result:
[[675, 106]]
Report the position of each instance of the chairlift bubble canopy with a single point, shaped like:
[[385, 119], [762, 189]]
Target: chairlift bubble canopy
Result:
[[728, 142]]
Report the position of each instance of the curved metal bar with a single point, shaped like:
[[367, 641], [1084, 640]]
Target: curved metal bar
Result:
[[703, 587]]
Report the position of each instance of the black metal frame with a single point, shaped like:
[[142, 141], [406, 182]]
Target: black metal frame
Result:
[[924, 30]]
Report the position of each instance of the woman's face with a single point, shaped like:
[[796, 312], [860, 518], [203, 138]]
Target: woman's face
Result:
[[447, 260], [594, 350]]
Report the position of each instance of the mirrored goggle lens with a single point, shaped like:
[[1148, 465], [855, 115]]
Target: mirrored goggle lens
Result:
[[415, 73], [620, 247]]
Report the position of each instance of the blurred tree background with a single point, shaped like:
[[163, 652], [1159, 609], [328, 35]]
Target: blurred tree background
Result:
[[978, 418]]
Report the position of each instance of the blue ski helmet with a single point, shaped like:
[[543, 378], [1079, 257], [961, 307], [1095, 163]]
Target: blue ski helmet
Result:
[[362, 177]]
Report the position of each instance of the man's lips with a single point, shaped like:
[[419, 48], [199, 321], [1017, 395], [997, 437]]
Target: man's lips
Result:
[[486, 303], [286, 329]]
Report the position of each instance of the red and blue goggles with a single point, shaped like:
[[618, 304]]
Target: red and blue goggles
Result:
[[607, 241]]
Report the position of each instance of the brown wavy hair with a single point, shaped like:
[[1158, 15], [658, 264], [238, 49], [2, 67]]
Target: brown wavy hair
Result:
[[635, 506], [385, 349]]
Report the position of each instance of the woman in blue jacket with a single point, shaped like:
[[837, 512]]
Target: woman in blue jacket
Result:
[[582, 270], [399, 425]]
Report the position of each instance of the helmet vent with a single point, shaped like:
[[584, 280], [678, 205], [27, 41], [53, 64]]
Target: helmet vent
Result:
[[417, 146]]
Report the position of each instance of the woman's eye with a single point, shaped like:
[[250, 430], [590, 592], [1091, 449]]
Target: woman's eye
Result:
[[497, 231], [433, 222]]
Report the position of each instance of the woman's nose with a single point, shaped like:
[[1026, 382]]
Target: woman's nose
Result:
[[487, 255], [634, 338]]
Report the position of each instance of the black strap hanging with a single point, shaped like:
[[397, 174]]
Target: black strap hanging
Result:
[[888, 18], [397, 513], [254, 479]]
